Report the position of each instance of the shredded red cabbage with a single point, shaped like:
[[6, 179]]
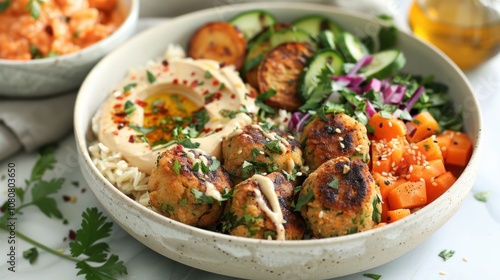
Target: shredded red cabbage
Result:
[[413, 99], [364, 61]]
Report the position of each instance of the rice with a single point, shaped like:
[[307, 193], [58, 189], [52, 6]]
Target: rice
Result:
[[128, 179]]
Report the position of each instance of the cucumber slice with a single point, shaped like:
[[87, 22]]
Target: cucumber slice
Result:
[[291, 35], [314, 24], [309, 77], [269, 40], [252, 22], [350, 46], [326, 40], [384, 64]]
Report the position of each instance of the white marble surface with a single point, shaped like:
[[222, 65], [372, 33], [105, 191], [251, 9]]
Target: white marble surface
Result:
[[473, 232]]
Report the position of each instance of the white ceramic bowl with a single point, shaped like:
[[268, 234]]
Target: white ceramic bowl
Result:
[[265, 259], [49, 76]]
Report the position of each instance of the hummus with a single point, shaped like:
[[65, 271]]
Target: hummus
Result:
[[157, 103]]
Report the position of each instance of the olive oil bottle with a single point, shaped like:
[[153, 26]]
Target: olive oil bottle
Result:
[[468, 31]]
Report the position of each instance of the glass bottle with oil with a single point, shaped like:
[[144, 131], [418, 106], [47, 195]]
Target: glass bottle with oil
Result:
[[468, 31]]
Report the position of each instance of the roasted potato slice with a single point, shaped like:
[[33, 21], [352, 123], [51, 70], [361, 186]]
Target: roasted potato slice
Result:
[[220, 41], [280, 70]]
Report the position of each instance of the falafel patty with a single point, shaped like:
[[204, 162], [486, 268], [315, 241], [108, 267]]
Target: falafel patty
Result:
[[343, 198], [339, 136], [255, 149], [189, 186], [260, 208]]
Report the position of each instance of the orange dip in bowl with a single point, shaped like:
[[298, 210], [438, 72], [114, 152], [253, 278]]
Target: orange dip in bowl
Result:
[[32, 29]]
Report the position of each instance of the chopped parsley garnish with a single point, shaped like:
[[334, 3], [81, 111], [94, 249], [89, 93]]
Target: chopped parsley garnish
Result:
[[151, 76], [334, 184], [176, 167], [129, 87], [264, 108], [188, 144], [274, 146], [129, 107], [35, 52], [446, 254], [214, 165], [372, 276], [31, 255], [143, 130], [482, 196], [303, 200], [208, 75], [34, 7]]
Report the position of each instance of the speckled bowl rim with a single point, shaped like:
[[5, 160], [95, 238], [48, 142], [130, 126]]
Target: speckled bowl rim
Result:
[[149, 214]]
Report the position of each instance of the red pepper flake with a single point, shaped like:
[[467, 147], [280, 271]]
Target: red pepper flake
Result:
[[83, 190], [184, 82], [147, 114], [120, 125], [233, 96], [175, 81], [206, 92], [218, 129], [141, 103], [69, 198], [164, 62], [193, 84], [115, 133], [133, 78], [131, 139], [120, 97], [72, 234], [218, 95], [193, 73], [65, 239], [285, 120], [215, 82], [117, 106]]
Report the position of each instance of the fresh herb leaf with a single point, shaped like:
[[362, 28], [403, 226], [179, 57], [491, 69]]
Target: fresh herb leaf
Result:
[[200, 119], [35, 52], [303, 200], [274, 146], [259, 101], [204, 168], [40, 196], [188, 144], [129, 87], [215, 164], [88, 243], [446, 254], [201, 197], [334, 184], [129, 107], [4, 5], [482, 196], [31, 255], [208, 75], [151, 76], [143, 130], [34, 7], [372, 276], [176, 167]]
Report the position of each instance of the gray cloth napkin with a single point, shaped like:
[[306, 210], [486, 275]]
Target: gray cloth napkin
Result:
[[30, 124]]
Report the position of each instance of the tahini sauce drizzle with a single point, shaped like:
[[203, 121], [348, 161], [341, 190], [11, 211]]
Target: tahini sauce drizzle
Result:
[[274, 213], [210, 188]]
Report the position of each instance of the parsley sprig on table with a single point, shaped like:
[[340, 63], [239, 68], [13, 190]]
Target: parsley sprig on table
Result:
[[88, 250]]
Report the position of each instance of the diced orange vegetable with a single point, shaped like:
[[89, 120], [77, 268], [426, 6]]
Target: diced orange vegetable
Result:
[[423, 126], [429, 147], [387, 128], [427, 172], [459, 150], [444, 140], [440, 184], [407, 195], [423, 151], [398, 214], [386, 184], [387, 154]]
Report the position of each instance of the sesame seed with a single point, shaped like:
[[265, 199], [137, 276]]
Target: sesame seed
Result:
[[390, 124], [407, 177], [240, 151], [342, 145], [427, 167], [358, 149], [337, 130], [411, 168], [346, 169], [341, 138], [434, 184], [415, 147], [442, 273], [378, 163], [465, 259], [321, 213]]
